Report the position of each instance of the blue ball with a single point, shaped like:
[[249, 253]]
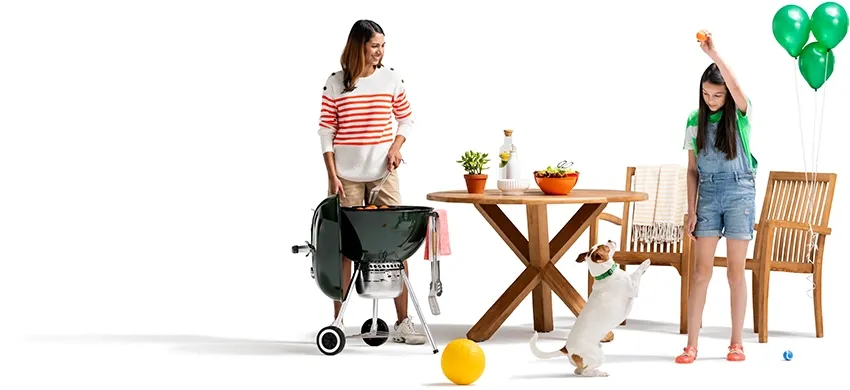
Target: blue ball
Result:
[[788, 355]]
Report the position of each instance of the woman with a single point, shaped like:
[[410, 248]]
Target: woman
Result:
[[357, 138]]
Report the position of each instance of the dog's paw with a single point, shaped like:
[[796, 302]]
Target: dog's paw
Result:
[[595, 372]]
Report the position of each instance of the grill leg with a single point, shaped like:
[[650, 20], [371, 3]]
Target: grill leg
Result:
[[374, 330], [418, 311], [345, 298]]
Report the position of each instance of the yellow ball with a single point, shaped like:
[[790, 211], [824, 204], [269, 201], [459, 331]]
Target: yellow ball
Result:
[[462, 361]]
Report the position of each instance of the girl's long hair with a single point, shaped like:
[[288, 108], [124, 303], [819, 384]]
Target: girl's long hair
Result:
[[353, 59], [727, 128]]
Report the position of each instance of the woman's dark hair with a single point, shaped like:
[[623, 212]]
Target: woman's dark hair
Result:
[[353, 59], [727, 128]]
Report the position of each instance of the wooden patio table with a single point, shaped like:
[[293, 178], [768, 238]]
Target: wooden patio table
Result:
[[537, 252]]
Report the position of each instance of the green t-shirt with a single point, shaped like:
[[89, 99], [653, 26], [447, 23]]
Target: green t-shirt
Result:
[[744, 121]]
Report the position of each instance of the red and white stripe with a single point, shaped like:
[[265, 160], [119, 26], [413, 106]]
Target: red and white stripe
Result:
[[363, 120]]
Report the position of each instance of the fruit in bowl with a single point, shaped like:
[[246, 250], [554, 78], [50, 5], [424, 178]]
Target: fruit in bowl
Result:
[[556, 181]]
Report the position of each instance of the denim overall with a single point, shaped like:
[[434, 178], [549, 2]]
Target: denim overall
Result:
[[726, 192]]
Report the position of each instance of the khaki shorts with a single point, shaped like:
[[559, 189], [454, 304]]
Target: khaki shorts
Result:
[[356, 192]]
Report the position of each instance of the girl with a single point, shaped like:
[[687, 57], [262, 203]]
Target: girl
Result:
[[721, 194], [358, 144]]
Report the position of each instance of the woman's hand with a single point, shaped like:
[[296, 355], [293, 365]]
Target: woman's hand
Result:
[[393, 159], [336, 187], [707, 45], [692, 224]]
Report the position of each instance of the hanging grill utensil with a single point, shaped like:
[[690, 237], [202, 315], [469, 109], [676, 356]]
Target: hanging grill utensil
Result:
[[436, 284], [436, 287]]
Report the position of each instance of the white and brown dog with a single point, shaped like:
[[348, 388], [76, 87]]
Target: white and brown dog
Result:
[[608, 305]]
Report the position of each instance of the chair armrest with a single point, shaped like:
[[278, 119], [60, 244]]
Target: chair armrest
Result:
[[798, 226], [610, 218], [750, 263]]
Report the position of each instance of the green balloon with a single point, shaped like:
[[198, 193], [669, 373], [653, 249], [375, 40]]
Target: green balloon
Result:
[[791, 29], [816, 63], [829, 24]]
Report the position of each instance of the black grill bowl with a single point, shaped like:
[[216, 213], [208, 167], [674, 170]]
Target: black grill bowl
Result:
[[387, 234]]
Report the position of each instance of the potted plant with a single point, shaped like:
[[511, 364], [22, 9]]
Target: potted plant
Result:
[[474, 163]]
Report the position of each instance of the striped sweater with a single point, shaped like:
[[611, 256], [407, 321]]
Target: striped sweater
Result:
[[357, 125]]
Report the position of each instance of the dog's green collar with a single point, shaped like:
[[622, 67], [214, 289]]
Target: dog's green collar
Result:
[[607, 273]]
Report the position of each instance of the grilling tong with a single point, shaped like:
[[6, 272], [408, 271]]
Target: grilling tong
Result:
[[436, 286], [374, 192]]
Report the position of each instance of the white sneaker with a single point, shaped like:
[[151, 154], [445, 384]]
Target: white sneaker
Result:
[[405, 333]]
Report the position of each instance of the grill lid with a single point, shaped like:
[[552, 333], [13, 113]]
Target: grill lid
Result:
[[327, 247]]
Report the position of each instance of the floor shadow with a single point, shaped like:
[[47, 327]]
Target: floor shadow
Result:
[[552, 375], [609, 359], [253, 348], [442, 333], [445, 333], [712, 332], [629, 358], [636, 358], [507, 334], [209, 345], [133, 339]]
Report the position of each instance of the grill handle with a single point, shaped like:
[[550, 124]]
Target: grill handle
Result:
[[296, 249]]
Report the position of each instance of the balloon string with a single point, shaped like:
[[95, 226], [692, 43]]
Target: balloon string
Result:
[[810, 278], [817, 126], [812, 246]]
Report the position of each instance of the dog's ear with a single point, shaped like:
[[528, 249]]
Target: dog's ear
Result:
[[581, 256]]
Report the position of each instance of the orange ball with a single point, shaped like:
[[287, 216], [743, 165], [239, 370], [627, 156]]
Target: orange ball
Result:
[[701, 36]]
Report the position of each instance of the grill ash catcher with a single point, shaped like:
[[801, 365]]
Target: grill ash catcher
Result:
[[377, 241]]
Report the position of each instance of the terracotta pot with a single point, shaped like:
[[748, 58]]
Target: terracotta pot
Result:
[[557, 185], [475, 183]]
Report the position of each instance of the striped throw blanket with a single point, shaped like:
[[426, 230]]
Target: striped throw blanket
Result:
[[660, 219]]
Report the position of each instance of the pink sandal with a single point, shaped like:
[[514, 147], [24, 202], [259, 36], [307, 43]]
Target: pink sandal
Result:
[[736, 353], [688, 356]]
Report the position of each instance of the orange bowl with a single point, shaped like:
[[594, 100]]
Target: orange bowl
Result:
[[557, 185]]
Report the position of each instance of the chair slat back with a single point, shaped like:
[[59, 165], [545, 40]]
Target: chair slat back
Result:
[[794, 197]]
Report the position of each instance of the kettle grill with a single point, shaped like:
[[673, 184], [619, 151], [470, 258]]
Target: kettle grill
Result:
[[377, 241]]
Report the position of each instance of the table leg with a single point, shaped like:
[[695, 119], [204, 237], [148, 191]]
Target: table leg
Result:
[[539, 256]]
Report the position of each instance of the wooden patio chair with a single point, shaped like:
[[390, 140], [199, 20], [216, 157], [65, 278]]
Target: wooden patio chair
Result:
[[677, 255], [783, 238]]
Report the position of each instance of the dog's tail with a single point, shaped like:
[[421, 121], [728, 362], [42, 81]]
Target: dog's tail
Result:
[[545, 355]]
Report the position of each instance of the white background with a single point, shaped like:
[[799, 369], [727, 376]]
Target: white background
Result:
[[158, 160]]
